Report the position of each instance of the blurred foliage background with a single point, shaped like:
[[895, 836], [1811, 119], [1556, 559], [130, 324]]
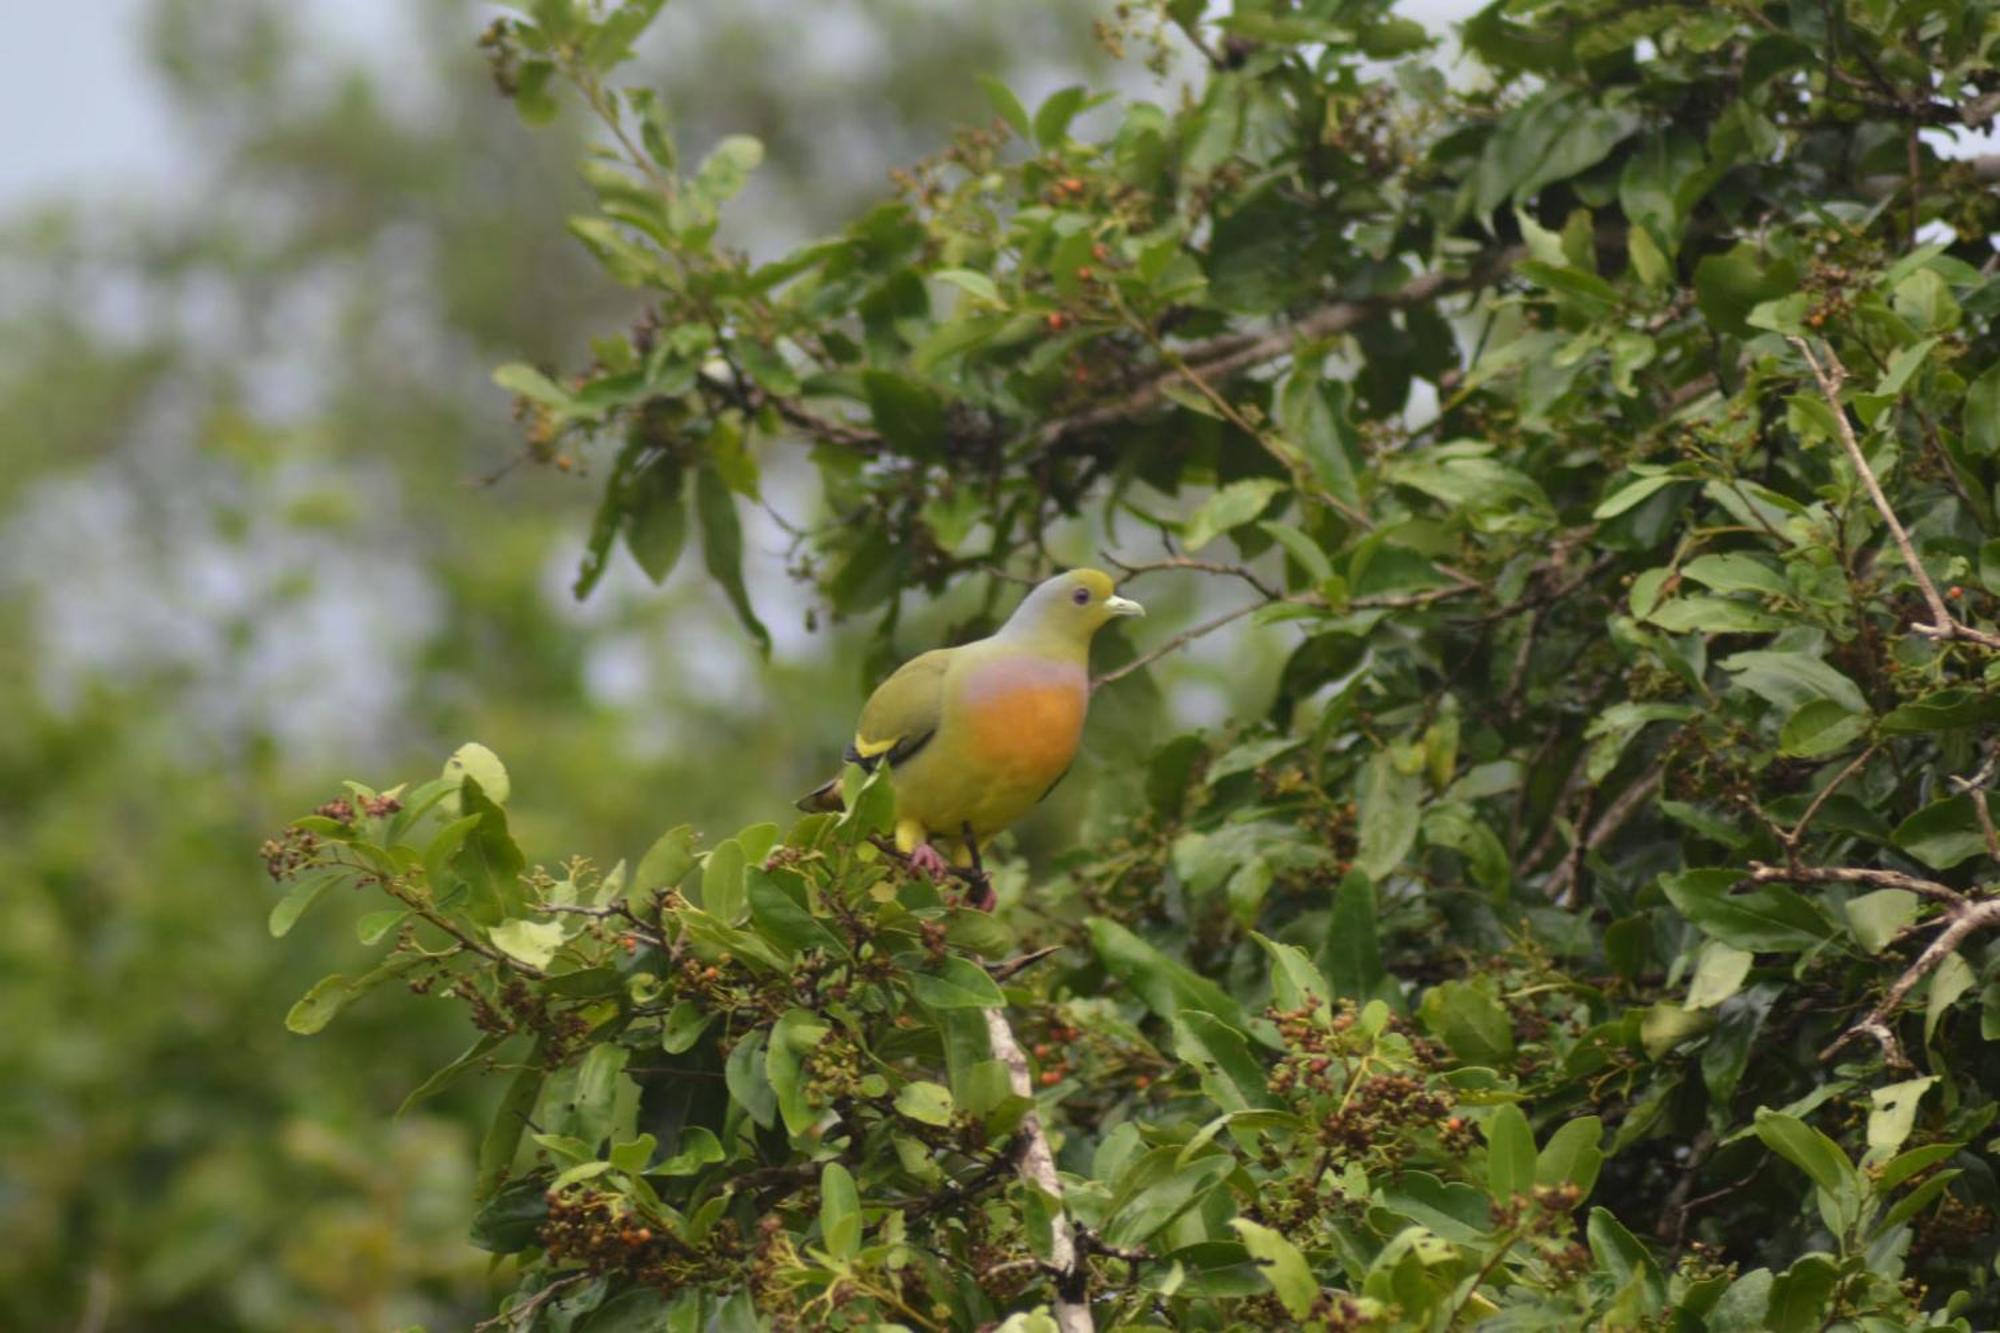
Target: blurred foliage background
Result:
[[257, 530]]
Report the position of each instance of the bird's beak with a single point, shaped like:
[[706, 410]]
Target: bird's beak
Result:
[[1123, 606]]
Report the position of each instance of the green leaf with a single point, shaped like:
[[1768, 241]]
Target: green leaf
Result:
[[443, 1078], [484, 767], [1769, 917], [1943, 833], [1719, 972], [1391, 810], [1982, 414], [1166, 987], [748, 1083], [1665, 1025], [1877, 918], [959, 984], [1634, 493], [1466, 1017], [839, 1212], [656, 518], [1572, 1155], [973, 283], [1052, 118], [1619, 1253], [1791, 680], [512, 1218], [1952, 979], [1895, 1112], [1946, 710], [908, 412], [510, 1120], [1302, 549], [728, 165], [1510, 1153], [1231, 506], [1821, 727], [1806, 1148], [683, 1026], [793, 1037], [1282, 1265], [1295, 982], [1006, 105], [320, 1005], [528, 382], [722, 549], [665, 864], [285, 913], [928, 1103], [532, 942], [1353, 950], [723, 895]]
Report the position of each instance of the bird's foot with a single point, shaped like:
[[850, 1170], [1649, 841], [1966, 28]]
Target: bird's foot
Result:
[[980, 897], [929, 862]]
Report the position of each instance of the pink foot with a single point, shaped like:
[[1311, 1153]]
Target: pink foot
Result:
[[928, 862]]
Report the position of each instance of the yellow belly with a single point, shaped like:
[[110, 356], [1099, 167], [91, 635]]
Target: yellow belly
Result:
[[1000, 753]]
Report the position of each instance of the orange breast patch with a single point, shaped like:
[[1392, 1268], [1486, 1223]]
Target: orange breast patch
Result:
[[1029, 728]]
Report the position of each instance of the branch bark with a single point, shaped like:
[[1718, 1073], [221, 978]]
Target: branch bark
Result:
[[1830, 376], [1037, 1165]]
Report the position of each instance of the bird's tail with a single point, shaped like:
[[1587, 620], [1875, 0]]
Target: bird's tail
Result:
[[824, 798]]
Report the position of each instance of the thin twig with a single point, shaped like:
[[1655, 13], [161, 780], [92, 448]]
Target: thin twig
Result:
[[1563, 882], [1831, 375], [1244, 572], [1179, 641], [1791, 840], [1881, 879], [522, 1315], [1965, 918]]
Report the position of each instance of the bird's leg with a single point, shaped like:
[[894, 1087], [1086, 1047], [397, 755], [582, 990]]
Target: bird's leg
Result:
[[929, 862], [982, 897], [913, 841]]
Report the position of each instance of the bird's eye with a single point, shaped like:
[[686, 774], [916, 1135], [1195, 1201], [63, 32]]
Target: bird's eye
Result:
[[1081, 597]]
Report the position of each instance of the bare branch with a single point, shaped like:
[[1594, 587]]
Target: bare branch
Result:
[[1179, 641], [1562, 883], [1881, 879], [1965, 918], [1831, 375], [1037, 1165]]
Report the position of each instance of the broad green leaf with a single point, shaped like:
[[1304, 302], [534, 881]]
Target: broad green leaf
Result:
[[723, 895], [1943, 833], [1165, 986], [1230, 507], [929, 1103], [1353, 951], [1007, 105], [1877, 918], [1768, 917], [722, 549], [325, 1000], [1466, 1017], [532, 942], [476, 761], [1719, 972], [1282, 1265], [1510, 1153], [1391, 810], [1895, 1112], [1953, 978], [1821, 727], [1572, 1155], [1807, 1149], [958, 984], [839, 1212]]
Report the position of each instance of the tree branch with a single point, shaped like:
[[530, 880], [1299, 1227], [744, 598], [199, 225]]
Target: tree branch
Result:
[[1831, 375], [1037, 1165]]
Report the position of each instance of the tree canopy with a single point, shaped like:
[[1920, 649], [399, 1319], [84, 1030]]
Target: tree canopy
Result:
[[1609, 420]]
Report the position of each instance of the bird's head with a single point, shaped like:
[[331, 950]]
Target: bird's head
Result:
[[1071, 607]]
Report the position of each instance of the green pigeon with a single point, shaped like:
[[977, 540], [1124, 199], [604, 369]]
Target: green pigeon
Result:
[[976, 735]]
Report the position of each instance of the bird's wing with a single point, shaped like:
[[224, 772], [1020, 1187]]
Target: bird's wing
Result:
[[902, 715]]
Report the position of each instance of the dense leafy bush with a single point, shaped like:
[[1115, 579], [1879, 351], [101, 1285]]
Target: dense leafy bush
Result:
[[1612, 426]]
